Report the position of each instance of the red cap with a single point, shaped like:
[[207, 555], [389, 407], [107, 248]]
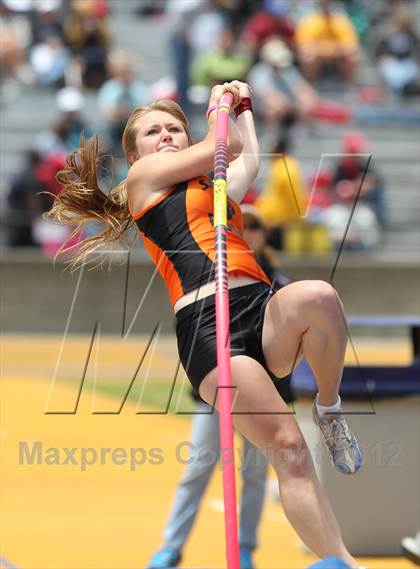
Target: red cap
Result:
[[100, 9], [354, 142]]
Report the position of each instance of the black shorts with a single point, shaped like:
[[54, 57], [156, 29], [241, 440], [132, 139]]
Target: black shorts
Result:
[[196, 333]]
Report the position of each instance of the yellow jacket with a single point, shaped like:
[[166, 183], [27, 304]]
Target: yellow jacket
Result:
[[284, 197], [315, 28]]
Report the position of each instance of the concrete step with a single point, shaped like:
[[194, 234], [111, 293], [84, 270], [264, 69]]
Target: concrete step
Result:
[[401, 216], [14, 142], [379, 149], [392, 133], [26, 116], [144, 38], [395, 148], [390, 169]]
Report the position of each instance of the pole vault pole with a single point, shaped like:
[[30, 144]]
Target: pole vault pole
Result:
[[222, 333]]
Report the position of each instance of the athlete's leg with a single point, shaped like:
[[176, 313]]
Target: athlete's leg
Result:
[[306, 317], [262, 416]]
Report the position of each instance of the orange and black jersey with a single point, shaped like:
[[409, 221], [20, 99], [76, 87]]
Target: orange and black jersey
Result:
[[177, 230]]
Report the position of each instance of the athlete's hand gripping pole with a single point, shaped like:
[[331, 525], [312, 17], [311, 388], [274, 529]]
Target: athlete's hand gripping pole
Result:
[[222, 333]]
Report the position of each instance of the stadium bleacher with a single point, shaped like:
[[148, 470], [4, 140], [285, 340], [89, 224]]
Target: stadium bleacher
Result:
[[395, 146]]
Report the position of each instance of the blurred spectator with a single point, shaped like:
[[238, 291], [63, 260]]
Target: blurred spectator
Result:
[[238, 12], [363, 230], [86, 32], [255, 233], [119, 96], [195, 28], [47, 20], [354, 168], [56, 139], [22, 6], [45, 173], [44, 232], [180, 16], [28, 198], [65, 134], [324, 38], [272, 21], [23, 203], [355, 180], [148, 8], [50, 235], [283, 200], [320, 197], [15, 24], [223, 64], [359, 12], [12, 56], [206, 27], [280, 91], [49, 61], [15, 38], [398, 52]]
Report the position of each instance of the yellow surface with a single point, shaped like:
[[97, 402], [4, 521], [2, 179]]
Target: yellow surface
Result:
[[108, 516], [220, 202]]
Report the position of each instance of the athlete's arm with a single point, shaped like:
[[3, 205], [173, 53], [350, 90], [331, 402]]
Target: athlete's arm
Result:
[[162, 170], [243, 171]]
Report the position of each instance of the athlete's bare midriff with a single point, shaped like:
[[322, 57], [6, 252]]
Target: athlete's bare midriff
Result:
[[210, 288]]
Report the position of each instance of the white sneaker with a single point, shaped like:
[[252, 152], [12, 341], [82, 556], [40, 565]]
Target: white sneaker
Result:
[[341, 443], [411, 547]]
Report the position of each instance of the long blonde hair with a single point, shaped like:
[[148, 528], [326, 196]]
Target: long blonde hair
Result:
[[81, 200]]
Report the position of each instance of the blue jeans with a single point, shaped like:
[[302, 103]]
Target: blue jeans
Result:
[[204, 455], [180, 54]]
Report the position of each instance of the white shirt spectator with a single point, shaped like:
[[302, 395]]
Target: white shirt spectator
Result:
[[363, 232]]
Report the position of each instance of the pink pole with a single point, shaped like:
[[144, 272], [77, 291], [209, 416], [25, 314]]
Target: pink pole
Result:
[[223, 335]]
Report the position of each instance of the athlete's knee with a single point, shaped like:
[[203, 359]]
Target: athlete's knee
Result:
[[324, 297], [320, 291], [290, 454]]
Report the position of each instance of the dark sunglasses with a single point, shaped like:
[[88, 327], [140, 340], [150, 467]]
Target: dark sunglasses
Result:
[[253, 226]]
